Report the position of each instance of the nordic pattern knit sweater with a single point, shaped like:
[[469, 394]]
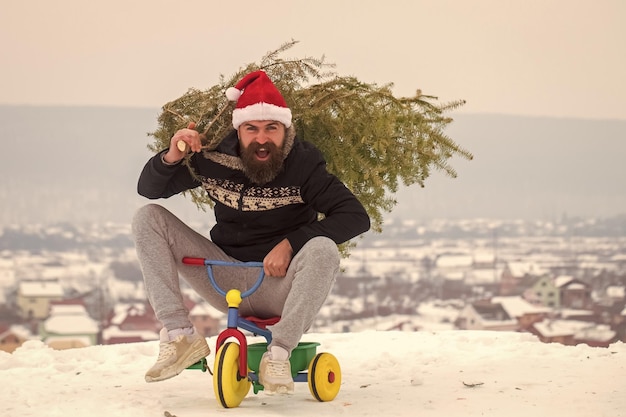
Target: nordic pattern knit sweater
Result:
[[251, 219]]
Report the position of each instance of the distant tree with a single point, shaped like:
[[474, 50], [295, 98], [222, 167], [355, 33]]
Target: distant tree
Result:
[[371, 139]]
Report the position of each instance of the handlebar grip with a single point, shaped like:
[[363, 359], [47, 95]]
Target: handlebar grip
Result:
[[187, 260]]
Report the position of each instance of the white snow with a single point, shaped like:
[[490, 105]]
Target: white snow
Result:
[[41, 289], [516, 306], [74, 323], [447, 373]]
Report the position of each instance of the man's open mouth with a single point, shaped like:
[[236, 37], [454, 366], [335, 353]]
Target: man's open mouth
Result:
[[262, 153]]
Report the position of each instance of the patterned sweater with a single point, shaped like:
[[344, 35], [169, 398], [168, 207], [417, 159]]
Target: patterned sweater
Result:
[[252, 219]]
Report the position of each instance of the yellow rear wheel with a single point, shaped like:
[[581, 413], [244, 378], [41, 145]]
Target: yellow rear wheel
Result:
[[230, 389], [324, 377]]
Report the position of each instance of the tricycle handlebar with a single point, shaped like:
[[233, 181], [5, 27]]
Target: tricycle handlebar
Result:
[[209, 263]]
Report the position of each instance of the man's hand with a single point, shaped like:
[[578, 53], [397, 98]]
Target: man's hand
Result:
[[277, 260], [189, 137]]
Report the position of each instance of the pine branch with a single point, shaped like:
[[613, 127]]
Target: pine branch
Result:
[[371, 139]]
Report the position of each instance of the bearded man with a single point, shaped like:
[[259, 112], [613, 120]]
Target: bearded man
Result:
[[268, 188]]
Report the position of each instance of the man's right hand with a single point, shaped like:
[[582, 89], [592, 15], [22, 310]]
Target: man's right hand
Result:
[[190, 137]]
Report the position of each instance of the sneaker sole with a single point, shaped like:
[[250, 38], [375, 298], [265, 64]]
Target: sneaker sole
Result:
[[278, 390], [175, 369]]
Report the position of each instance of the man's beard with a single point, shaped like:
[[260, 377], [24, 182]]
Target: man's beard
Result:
[[262, 172]]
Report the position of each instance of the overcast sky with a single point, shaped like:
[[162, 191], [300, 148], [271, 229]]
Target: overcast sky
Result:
[[533, 57]]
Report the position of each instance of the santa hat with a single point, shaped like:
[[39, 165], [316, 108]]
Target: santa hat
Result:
[[258, 99]]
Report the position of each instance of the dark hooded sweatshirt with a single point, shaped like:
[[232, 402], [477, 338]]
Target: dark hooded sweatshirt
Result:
[[251, 218]]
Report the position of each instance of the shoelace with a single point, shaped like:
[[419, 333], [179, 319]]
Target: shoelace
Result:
[[165, 351], [278, 368]]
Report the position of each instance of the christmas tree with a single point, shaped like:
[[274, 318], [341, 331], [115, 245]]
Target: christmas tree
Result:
[[371, 139]]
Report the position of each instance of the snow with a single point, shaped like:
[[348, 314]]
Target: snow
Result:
[[562, 280], [516, 306], [454, 261], [114, 331], [617, 292], [576, 286], [41, 289], [582, 329], [519, 269], [447, 373], [71, 324]]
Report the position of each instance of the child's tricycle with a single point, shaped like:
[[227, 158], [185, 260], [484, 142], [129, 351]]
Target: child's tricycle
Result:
[[237, 363]]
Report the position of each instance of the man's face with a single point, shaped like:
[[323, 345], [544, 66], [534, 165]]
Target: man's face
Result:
[[261, 143]]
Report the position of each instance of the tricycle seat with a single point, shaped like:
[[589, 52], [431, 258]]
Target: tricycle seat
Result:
[[263, 323]]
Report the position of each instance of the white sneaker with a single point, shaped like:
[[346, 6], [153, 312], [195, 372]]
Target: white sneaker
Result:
[[177, 355], [275, 375]]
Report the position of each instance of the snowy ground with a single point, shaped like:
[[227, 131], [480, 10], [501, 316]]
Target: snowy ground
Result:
[[449, 373]]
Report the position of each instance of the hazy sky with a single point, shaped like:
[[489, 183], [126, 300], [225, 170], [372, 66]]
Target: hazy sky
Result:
[[533, 57]]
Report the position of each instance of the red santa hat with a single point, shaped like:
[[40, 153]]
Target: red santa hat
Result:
[[258, 99]]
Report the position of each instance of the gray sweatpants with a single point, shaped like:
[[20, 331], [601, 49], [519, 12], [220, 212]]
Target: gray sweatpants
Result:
[[162, 240]]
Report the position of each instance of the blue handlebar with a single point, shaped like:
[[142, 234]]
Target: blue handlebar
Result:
[[210, 263]]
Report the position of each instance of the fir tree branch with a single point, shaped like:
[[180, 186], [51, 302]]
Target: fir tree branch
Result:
[[371, 139]]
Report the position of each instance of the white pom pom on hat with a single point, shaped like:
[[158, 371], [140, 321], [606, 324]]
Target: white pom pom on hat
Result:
[[232, 94], [258, 99]]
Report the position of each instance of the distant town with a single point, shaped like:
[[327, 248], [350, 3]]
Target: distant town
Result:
[[563, 281]]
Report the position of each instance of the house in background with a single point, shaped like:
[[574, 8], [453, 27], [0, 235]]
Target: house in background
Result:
[[34, 298], [131, 323], [544, 292], [69, 326], [521, 310], [518, 276], [574, 332], [207, 319], [511, 313], [12, 336], [452, 270], [136, 322], [485, 315], [556, 331], [574, 293], [596, 335]]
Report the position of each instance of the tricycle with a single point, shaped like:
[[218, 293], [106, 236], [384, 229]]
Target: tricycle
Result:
[[237, 362]]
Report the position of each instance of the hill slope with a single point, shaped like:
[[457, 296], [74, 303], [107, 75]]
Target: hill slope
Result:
[[454, 373]]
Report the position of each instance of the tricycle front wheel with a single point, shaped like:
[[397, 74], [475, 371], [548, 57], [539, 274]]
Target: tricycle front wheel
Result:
[[230, 388]]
